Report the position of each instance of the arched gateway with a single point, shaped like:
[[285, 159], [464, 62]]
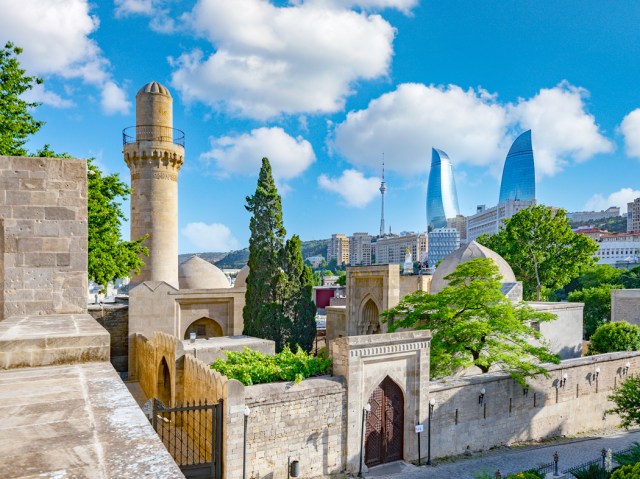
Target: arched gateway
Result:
[[385, 424]]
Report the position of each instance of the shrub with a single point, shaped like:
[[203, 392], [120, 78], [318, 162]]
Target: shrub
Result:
[[627, 472], [594, 471], [252, 367], [612, 337], [526, 475], [626, 398], [629, 458]]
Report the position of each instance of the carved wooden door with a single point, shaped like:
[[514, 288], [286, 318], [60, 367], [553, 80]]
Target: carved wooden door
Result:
[[385, 424]]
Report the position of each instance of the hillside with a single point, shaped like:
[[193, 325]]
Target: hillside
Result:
[[237, 259], [617, 224]]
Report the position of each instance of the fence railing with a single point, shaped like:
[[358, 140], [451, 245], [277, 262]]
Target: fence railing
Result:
[[133, 134]]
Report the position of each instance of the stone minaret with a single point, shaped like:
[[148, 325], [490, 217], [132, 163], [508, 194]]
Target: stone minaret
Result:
[[154, 153]]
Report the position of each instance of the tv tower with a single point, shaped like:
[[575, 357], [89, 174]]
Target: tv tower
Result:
[[383, 189]]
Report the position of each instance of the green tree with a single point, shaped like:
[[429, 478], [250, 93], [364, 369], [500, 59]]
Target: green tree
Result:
[[543, 251], [594, 276], [278, 303], [597, 306], [473, 324], [16, 122], [626, 398], [612, 337], [630, 279], [627, 472]]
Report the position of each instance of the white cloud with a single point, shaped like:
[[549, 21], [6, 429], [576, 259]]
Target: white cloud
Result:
[[563, 131], [55, 37], [472, 126], [269, 60], [369, 5], [162, 20], [630, 129], [210, 237], [618, 198], [406, 123], [352, 186], [124, 8], [114, 99], [289, 156], [39, 94]]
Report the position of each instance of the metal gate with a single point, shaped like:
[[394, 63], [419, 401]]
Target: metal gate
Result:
[[192, 433], [385, 424]]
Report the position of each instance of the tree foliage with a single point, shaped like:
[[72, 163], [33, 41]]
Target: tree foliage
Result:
[[597, 306], [16, 122], [278, 303], [627, 472], [473, 324], [626, 398], [612, 337], [543, 251]]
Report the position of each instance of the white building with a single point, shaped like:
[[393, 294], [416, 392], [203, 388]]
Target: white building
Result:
[[360, 249], [619, 248], [489, 220], [588, 216], [392, 249], [338, 249], [315, 261], [442, 242], [633, 216]]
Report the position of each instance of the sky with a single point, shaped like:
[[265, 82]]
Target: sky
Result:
[[328, 88]]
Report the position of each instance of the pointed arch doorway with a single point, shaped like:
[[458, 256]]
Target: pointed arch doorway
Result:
[[384, 436]]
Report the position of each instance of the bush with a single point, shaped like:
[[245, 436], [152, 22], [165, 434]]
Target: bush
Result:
[[251, 367], [594, 471], [526, 475], [627, 472], [612, 337], [629, 458], [626, 398]]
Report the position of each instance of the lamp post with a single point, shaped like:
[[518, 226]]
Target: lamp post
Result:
[[365, 413], [432, 404], [246, 411]]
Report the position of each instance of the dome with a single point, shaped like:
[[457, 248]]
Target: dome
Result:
[[154, 87], [241, 278], [196, 273], [464, 254]]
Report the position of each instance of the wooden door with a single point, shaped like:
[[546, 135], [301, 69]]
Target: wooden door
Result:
[[385, 425]]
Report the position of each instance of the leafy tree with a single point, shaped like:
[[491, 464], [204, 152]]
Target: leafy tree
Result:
[[16, 122], [627, 472], [630, 279], [626, 398], [473, 324], [342, 280], [543, 251], [597, 306], [612, 337], [594, 276], [278, 302]]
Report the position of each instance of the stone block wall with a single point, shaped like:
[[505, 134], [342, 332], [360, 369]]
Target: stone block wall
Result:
[[625, 305], [43, 236], [115, 319], [304, 421], [148, 357], [510, 414]]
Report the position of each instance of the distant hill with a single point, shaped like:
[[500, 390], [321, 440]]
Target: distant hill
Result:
[[237, 259], [617, 224]]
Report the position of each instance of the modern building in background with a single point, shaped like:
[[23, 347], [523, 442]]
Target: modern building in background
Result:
[[519, 174], [338, 249], [442, 197], [489, 220], [360, 249], [633, 216], [619, 250], [315, 261], [442, 242], [588, 216], [392, 249], [459, 223]]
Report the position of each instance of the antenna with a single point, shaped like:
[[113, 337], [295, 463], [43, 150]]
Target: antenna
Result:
[[383, 189]]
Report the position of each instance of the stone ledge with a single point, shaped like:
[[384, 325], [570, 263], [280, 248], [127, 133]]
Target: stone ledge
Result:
[[31, 341]]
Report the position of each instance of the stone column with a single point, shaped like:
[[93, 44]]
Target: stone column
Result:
[[154, 156]]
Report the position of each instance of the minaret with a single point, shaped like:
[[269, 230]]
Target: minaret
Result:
[[154, 154], [383, 189]]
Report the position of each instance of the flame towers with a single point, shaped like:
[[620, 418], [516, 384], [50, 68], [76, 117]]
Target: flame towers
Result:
[[518, 175], [442, 198]]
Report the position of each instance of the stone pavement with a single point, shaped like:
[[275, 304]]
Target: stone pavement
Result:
[[510, 461]]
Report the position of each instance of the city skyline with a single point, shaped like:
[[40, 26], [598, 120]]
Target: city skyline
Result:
[[292, 80]]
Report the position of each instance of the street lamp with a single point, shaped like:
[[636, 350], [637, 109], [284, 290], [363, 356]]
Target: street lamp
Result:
[[246, 412], [481, 397], [365, 413], [432, 404]]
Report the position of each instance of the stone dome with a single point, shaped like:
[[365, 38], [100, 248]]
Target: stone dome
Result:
[[464, 254], [241, 278], [196, 273], [154, 87]]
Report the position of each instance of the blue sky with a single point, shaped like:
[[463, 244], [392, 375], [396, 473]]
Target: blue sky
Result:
[[325, 87]]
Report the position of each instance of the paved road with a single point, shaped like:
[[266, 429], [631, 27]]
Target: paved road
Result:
[[510, 461]]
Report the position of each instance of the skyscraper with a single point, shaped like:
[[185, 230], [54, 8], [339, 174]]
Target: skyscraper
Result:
[[442, 198], [518, 175]]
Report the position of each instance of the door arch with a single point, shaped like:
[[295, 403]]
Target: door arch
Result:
[[369, 318], [204, 328], [384, 436], [163, 389]]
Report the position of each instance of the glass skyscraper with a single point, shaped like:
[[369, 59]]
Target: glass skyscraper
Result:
[[518, 175], [442, 198]]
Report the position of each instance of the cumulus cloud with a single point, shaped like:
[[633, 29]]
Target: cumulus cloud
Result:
[[268, 60], [630, 129], [618, 198], [125, 8], [41, 95], [352, 186], [114, 99], [55, 37], [563, 130], [210, 237], [242, 154], [472, 126]]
